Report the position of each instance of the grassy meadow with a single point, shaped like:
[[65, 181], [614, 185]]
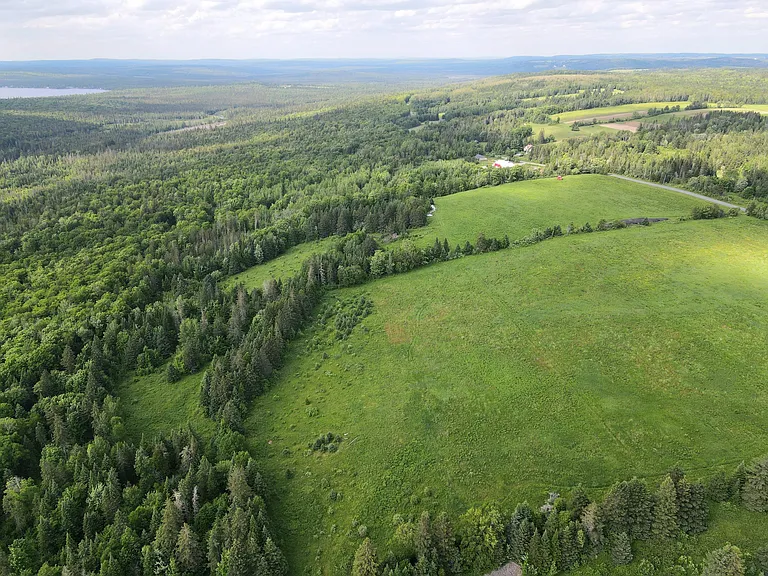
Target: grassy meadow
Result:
[[515, 209], [585, 359], [284, 266], [563, 131], [150, 404]]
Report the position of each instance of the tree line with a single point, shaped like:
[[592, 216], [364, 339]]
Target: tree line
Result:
[[567, 532]]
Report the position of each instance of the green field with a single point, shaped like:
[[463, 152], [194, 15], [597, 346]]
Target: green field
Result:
[[563, 131], [284, 266], [613, 110], [151, 405], [760, 108], [515, 209], [584, 359]]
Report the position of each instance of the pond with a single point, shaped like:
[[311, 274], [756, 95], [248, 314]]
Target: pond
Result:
[[6, 92]]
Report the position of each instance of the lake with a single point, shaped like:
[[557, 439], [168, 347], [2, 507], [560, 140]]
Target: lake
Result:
[[6, 92]]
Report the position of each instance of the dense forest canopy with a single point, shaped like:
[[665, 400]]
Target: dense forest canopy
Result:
[[121, 212]]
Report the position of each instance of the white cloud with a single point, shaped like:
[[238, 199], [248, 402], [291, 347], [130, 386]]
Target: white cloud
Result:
[[34, 29]]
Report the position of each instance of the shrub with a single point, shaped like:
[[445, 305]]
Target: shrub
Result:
[[709, 212]]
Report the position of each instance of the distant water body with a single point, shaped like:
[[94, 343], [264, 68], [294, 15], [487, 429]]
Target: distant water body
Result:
[[6, 92]]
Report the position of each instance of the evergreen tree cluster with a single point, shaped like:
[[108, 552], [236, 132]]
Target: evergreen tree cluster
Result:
[[567, 532]]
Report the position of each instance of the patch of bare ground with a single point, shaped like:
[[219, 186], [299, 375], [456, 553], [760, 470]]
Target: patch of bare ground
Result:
[[510, 569], [630, 126]]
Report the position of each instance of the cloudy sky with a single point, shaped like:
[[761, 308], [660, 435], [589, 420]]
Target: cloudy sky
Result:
[[64, 29]]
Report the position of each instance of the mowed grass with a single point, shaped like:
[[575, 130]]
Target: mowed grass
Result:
[[284, 266], [583, 359], [606, 111], [516, 209], [151, 405]]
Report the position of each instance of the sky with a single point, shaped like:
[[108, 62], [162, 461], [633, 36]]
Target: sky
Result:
[[188, 29]]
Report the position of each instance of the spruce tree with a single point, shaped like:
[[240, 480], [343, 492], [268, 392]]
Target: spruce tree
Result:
[[755, 489], [519, 532], [665, 512], [737, 482], [578, 502], [168, 532], [187, 550], [621, 549], [569, 547], [274, 558], [692, 509], [725, 561], [365, 562]]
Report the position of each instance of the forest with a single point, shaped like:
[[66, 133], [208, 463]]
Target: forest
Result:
[[121, 214]]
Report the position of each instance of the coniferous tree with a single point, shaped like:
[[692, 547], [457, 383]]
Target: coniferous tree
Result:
[[621, 549], [725, 561], [187, 553], [755, 489], [665, 512], [692, 509], [569, 547], [366, 562], [168, 532]]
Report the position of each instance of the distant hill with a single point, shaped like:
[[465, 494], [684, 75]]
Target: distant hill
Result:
[[112, 74]]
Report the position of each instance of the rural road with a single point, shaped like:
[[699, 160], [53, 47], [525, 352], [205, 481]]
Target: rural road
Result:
[[681, 191]]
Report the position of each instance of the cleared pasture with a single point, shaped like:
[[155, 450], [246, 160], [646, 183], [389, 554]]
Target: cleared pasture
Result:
[[585, 359]]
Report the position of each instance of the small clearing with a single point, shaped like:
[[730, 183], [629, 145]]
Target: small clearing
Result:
[[607, 118], [198, 127]]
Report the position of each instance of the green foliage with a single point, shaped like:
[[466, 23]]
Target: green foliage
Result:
[[481, 538], [621, 549], [692, 507], [665, 511], [120, 217], [755, 489], [365, 562], [726, 561], [709, 212]]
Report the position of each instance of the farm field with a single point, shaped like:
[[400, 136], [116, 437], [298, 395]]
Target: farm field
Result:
[[608, 112], [584, 359], [515, 209]]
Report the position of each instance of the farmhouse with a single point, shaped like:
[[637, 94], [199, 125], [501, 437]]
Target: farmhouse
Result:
[[528, 148], [503, 164]]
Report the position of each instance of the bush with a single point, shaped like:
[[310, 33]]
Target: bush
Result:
[[710, 212], [725, 561]]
